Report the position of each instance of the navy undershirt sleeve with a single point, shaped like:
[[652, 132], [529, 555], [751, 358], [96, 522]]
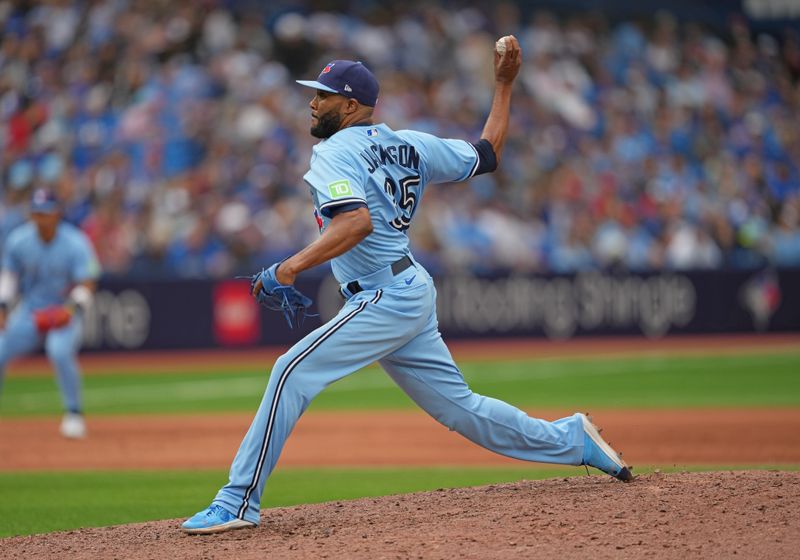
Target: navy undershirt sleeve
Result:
[[487, 158], [349, 207]]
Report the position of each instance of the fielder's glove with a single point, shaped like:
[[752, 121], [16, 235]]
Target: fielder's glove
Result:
[[53, 317], [278, 297]]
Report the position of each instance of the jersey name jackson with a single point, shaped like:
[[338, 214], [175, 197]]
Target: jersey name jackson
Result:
[[377, 156]]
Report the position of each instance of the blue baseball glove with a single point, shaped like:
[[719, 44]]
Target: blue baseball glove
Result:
[[278, 297]]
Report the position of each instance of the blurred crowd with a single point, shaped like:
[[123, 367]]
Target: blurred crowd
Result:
[[178, 139]]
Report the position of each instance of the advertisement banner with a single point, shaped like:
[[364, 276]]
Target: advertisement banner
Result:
[[216, 314]]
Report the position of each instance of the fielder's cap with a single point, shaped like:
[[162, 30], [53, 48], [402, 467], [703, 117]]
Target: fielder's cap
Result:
[[348, 78], [45, 201]]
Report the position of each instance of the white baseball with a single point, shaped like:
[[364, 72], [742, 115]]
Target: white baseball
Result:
[[500, 46]]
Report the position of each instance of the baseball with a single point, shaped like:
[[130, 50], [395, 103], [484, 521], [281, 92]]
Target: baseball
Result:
[[500, 46]]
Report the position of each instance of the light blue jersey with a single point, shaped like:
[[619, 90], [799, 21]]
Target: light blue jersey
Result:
[[388, 171], [48, 271]]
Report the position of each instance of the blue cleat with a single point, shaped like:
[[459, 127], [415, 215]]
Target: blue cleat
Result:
[[598, 454], [214, 519]]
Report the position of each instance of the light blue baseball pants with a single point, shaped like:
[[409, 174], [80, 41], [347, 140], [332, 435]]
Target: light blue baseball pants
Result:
[[397, 326], [20, 337]]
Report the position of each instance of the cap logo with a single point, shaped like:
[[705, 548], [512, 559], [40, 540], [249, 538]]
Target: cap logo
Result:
[[328, 68], [347, 87], [40, 197]]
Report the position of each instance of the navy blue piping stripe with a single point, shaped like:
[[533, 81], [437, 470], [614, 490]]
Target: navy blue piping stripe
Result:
[[477, 161], [281, 382]]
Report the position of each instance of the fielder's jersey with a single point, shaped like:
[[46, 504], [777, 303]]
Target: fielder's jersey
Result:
[[387, 170], [48, 271]]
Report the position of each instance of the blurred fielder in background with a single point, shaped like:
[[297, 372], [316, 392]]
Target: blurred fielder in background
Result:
[[52, 267], [366, 181]]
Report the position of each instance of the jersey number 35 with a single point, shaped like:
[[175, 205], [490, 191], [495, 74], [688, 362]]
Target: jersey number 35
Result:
[[405, 200]]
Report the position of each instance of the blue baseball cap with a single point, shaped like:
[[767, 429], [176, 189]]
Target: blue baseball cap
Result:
[[45, 201], [348, 78]]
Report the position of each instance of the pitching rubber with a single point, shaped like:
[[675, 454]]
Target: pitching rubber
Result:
[[221, 528]]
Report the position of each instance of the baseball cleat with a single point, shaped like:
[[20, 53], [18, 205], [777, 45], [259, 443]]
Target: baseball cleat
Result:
[[599, 454], [214, 519], [73, 426]]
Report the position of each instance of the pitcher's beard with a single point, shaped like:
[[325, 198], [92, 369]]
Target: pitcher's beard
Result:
[[327, 125]]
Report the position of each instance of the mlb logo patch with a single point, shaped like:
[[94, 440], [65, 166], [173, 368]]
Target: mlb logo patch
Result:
[[372, 132]]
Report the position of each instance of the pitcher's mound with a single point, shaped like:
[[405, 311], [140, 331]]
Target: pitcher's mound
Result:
[[689, 515]]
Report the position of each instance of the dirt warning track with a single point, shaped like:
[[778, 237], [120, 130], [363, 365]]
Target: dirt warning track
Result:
[[481, 349]]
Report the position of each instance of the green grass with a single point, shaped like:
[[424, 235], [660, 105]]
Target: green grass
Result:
[[653, 381]]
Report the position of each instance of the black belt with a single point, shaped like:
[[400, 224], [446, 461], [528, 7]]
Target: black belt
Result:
[[397, 267]]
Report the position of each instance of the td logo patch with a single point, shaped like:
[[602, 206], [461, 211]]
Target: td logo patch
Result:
[[338, 189]]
